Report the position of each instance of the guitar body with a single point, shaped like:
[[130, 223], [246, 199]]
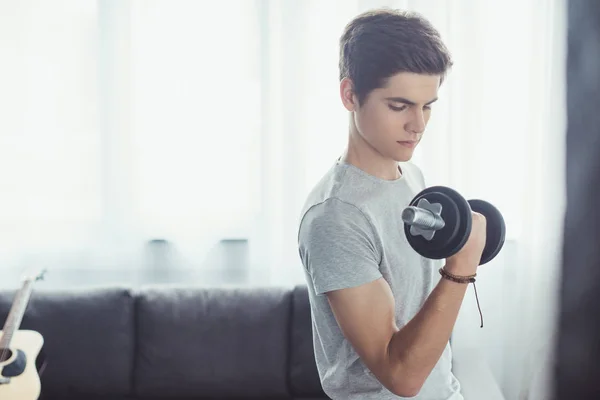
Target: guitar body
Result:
[[20, 366]]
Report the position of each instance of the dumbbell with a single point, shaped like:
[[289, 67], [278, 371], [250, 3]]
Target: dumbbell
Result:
[[437, 224]]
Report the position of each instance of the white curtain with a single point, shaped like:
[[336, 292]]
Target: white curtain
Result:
[[197, 121], [50, 147]]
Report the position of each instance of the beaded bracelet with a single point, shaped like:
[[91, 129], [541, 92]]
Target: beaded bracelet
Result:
[[456, 278], [464, 279]]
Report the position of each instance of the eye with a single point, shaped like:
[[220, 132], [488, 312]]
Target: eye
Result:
[[394, 108], [427, 107]]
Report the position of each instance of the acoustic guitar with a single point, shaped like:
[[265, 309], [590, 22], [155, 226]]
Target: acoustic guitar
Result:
[[20, 350]]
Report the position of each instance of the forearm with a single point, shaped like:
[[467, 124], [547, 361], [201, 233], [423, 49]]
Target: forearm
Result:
[[416, 348]]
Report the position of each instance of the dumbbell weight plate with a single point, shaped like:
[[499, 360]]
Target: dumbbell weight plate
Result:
[[456, 214], [495, 229]]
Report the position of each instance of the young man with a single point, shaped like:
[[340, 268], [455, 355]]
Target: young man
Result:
[[382, 317]]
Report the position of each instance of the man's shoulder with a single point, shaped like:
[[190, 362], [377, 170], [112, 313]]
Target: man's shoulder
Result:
[[333, 189], [332, 205], [343, 192]]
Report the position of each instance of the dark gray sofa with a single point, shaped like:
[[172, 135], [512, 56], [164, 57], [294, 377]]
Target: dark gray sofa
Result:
[[166, 342]]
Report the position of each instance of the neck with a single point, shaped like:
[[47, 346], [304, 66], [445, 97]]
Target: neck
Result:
[[362, 155]]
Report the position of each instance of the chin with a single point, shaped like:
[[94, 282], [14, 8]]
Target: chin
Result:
[[404, 157]]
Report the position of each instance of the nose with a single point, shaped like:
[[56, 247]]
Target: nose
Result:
[[416, 124]]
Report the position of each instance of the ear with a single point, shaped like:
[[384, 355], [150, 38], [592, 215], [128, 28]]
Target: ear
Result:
[[347, 94]]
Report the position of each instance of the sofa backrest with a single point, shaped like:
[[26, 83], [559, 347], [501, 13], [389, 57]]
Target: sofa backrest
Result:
[[212, 343], [304, 379], [88, 339], [174, 342]]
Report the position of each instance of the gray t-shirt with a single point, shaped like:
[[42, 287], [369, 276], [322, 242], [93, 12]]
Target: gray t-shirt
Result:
[[351, 233]]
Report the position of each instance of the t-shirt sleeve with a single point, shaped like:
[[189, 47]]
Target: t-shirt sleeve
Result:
[[337, 246]]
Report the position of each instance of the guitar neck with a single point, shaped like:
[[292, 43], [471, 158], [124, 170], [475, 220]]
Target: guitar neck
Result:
[[15, 316]]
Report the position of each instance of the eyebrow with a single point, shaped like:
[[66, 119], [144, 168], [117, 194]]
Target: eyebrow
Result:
[[406, 101]]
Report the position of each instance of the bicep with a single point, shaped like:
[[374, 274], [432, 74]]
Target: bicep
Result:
[[366, 317], [338, 247]]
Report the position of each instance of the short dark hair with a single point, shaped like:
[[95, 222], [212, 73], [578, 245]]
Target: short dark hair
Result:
[[380, 43]]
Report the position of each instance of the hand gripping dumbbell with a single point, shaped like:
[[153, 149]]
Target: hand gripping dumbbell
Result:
[[437, 224]]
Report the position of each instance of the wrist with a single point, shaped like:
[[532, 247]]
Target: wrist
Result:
[[457, 278], [459, 269], [462, 279]]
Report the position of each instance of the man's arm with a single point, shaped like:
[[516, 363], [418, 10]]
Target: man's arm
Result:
[[402, 359]]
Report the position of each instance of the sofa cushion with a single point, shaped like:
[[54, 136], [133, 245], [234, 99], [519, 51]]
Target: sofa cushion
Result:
[[197, 342], [88, 339], [304, 377], [87, 397]]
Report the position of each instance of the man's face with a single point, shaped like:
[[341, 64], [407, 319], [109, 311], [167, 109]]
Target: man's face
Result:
[[392, 119]]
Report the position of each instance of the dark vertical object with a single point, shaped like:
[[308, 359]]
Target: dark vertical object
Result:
[[229, 259], [578, 348]]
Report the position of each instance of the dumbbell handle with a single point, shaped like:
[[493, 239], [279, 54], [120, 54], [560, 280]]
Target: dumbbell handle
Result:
[[422, 218]]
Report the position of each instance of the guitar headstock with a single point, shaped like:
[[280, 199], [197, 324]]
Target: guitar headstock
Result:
[[34, 275]]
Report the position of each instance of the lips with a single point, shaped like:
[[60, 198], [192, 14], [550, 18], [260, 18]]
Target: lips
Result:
[[408, 143]]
